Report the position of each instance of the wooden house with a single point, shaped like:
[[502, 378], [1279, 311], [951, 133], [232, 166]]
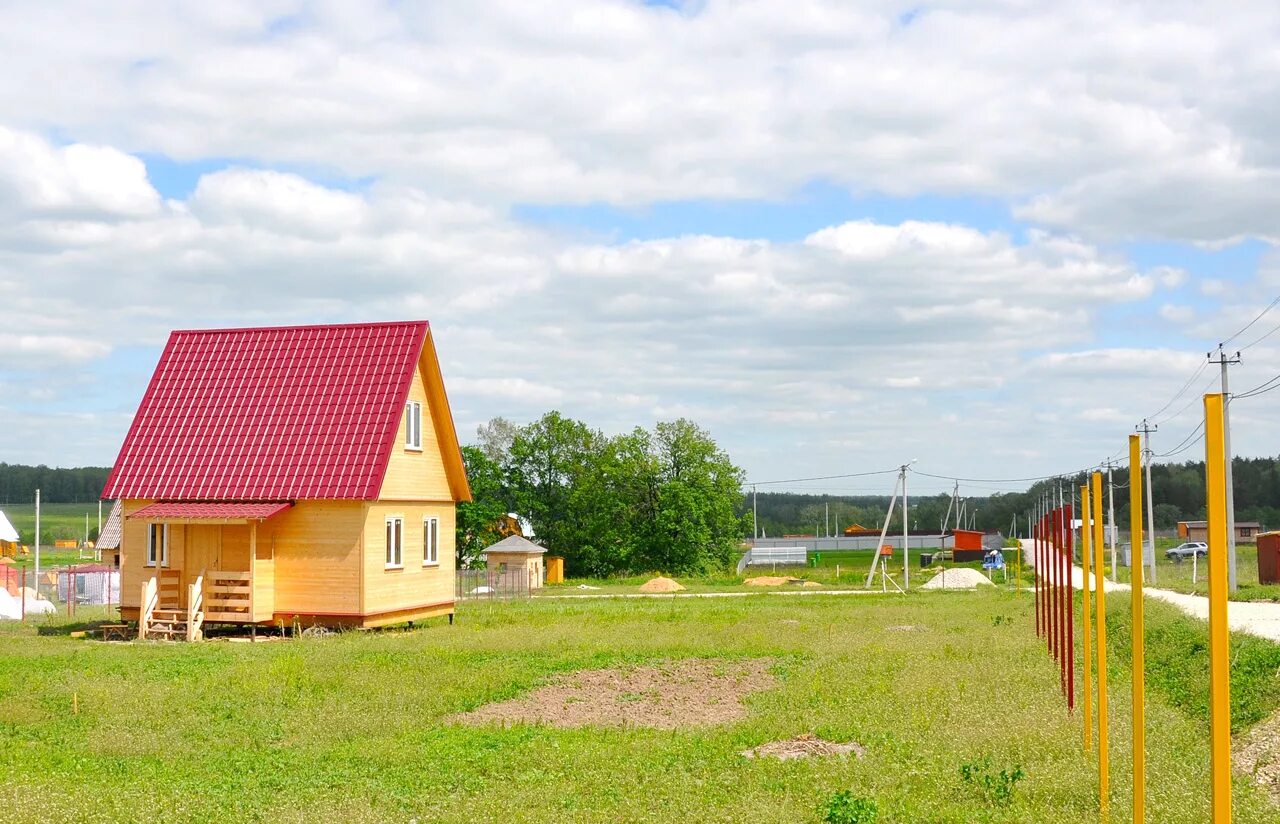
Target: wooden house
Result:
[[107, 546], [290, 474], [515, 561]]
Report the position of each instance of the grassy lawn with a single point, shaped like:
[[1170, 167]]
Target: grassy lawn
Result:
[[57, 522], [1177, 576], [836, 570], [356, 726]]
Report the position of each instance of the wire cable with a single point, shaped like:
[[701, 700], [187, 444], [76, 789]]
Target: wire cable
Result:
[[1183, 445], [825, 477], [1244, 328], [1178, 394], [1188, 404]]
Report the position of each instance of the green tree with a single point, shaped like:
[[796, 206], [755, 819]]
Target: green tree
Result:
[[551, 472], [477, 519]]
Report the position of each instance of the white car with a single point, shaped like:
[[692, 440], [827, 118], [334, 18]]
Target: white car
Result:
[[1196, 548]]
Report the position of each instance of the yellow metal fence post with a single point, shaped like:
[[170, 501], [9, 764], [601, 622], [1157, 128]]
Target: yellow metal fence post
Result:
[[1104, 747], [1219, 639], [1137, 560], [1086, 546]]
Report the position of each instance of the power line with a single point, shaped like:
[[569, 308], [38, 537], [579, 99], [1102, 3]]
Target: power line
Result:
[[1188, 404], [825, 477], [1258, 340], [1183, 445], [1203, 365], [1244, 328]]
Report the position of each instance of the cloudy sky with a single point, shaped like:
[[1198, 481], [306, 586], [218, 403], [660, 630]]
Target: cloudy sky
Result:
[[991, 235]]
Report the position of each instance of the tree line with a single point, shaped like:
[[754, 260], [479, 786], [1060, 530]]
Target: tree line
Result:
[[78, 485], [1178, 494], [666, 499]]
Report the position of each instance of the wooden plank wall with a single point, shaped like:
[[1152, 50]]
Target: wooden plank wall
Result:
[[414, 584], [413, 475]]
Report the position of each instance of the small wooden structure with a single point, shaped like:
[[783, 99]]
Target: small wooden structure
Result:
[[1246, 531], [555, 569], [968, 546], [1269, 558], [292, 474], [517, 557], [9, 545], [108, 544]]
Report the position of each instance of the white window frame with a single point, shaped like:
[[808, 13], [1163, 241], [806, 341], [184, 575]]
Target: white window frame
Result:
[[430, 541], [413, 426], [395, 542], [164, 545]]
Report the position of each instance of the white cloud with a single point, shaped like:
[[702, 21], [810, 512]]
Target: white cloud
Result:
[[1177, 314], [1153, 120], [774, 345]]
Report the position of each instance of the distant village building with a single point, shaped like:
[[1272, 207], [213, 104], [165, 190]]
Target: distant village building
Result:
[[513, 561], [1246, 531]]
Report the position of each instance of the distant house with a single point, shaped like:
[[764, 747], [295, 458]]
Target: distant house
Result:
[[515, 561], [301, 473], [108, 544], [1246, 531], [8, 538]]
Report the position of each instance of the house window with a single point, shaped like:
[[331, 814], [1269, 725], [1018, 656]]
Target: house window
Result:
[[413, 425], [430, 541], [395, 543], [157, 544]]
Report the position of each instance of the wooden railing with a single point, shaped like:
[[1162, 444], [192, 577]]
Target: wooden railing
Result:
[[170, 588], [150, 600], [195, 609], [228, 596]]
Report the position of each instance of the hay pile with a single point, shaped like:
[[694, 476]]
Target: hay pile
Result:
[[958, 578], [660, 584], [770, 581], [803, 746]]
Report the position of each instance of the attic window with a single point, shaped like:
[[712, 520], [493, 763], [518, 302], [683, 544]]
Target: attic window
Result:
[[413, 425]]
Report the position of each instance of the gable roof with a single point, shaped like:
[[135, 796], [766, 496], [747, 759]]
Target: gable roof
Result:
[[109, 537], [7, 532], [515, 543], [279, 413]]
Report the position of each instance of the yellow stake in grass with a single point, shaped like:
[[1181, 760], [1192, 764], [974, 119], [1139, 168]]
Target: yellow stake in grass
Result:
[[1137, 561], [1104, 748], [1219, 669], [1086, 546]]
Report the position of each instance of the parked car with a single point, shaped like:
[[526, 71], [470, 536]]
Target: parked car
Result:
[[1187, 550]]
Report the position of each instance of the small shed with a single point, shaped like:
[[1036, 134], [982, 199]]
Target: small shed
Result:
[[1246, 531], [968, 546], [8, 538], [515, 560], [108, 543]]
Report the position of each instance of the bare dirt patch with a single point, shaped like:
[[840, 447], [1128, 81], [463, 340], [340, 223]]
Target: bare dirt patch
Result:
[[673, 695], [660, 584], [804, 746], [770, 581], [1257, 753]]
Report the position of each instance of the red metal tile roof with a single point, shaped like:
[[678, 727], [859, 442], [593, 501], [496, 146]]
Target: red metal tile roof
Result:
[[201, 510], [270, 414]]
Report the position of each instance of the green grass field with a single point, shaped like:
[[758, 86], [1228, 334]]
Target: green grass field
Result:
[[57, 521], [1177, 576], [356, 726]]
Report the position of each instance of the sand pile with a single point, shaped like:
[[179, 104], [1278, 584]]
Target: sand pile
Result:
[[660, 584], [803, 746], [958, 578], [770, 581], [671, 695]]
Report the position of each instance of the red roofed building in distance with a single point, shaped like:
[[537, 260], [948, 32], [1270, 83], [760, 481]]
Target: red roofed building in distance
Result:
[[302, 473]]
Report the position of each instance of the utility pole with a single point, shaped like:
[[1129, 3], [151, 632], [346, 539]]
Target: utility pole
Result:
[[755, 519], [1223, 361], [1111, 520], [826, 509], [37, 581], [906, 549], [1146, 429]]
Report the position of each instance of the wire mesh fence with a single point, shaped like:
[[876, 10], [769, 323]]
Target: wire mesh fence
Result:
[[24, 593], [499, 584]]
